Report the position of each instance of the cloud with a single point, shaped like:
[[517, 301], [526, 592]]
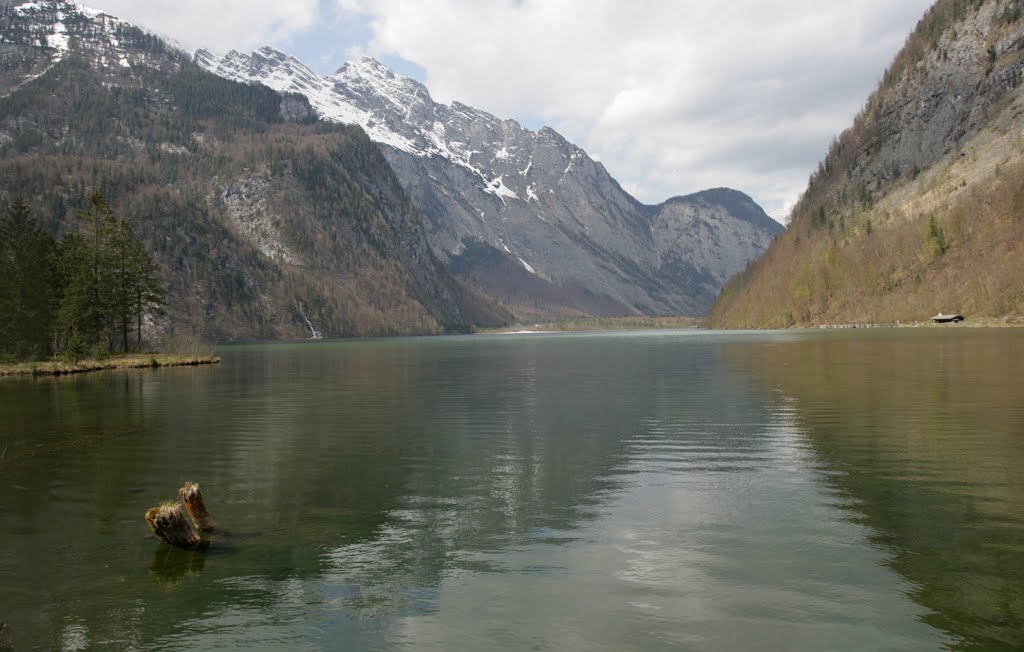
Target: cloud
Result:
[[672, 96], [219, 25]]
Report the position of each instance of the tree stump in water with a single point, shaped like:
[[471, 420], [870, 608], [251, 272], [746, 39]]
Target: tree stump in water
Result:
[[193, 499], [169, 523], [5, 637]]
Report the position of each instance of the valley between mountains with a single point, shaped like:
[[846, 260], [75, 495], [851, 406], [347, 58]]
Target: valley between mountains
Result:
[[283, 204]]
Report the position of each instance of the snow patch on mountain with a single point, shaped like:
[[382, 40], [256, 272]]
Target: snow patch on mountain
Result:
[[393, 110], [456, 160], [475, 178], [498, 188], [60, 26]]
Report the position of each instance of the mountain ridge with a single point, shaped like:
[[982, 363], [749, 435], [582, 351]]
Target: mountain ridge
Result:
[[538, 202], [266, 224], [533, 197]]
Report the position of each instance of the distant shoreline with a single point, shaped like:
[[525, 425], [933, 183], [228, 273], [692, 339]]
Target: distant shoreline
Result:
[[599, 324], [150, 361], [596, 324], [977, 322]]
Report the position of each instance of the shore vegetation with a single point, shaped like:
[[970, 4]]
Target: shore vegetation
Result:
[[83, 297]]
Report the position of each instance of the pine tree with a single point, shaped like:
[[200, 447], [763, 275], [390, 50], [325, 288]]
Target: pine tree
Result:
[[26, 283], [110, 281], [75, 273], [147, 289], [99, 227], [137, 289]]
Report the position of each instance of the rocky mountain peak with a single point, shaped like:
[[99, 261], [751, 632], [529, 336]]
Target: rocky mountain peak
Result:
[[538, 202], [738, 204], [535, 199], [39, 34], [282, 253], [369, 68], [51, 24], [267, 66]]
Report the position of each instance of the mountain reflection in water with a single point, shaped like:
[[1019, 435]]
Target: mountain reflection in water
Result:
[[620, 491]]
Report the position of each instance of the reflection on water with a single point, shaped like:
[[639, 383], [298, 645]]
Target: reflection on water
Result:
[[925, 438], [636, 491], [170, 565]]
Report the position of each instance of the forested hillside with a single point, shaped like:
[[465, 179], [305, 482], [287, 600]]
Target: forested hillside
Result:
[[919, 206], [264, 222]]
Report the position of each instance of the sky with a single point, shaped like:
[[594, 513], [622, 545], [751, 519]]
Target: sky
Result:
[[672, 96]]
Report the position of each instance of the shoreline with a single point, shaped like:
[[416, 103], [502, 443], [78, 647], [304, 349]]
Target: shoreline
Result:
[[977, 322], [152, 361], [595, 324], [688, 323]]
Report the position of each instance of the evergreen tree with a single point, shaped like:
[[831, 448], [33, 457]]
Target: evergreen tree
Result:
[[26, 284], [74, 272], [935, 237], [137, 289], [99, 228], [110, 281], [147, 289]]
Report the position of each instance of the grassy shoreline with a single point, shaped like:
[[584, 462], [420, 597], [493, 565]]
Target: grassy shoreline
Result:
[[141, 361]]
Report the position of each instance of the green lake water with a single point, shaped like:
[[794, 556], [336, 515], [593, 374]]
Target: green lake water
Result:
[[858, 490]]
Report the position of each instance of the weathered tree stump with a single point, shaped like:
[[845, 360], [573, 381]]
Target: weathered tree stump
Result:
[[193, 499], [5, 637], [169, 523]]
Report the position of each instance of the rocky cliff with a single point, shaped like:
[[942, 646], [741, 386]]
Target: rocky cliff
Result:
[[918, 207], [527, 216]]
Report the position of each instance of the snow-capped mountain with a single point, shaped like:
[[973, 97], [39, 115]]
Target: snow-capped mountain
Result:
[[538, 200], [526, 216], [265, 225], [43, 32]]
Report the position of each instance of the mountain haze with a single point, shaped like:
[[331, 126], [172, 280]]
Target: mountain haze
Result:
[[526, 216], [918, 208]]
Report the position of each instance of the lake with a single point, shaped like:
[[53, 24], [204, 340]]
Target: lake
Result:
[[681, 490]]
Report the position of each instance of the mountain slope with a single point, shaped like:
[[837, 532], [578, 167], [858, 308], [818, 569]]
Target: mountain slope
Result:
[[501, 200], [918, 207], [267, 224]]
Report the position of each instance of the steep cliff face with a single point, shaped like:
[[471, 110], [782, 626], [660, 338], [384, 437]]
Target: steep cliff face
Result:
[[919, 206], [266, 223], [707, 236], [501, 200]]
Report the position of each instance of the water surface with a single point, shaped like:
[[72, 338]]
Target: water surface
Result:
[[638, 491]]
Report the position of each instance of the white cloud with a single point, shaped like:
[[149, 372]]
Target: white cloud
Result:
[[672, 96], [218, 25]]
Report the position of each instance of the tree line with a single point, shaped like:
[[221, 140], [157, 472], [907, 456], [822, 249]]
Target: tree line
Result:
[[87, 293]]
